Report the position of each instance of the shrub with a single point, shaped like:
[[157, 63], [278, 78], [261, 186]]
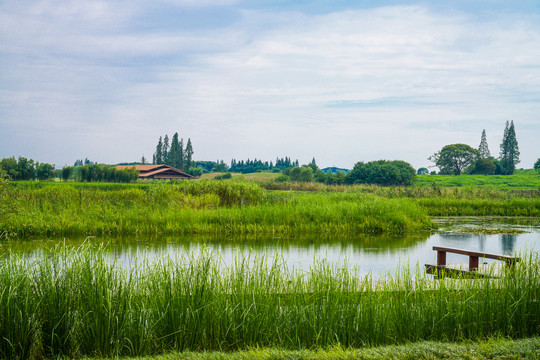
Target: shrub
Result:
[[227, 175], [382, 172]]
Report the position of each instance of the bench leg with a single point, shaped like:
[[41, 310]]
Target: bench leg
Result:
[[441, 258], [473, 263]]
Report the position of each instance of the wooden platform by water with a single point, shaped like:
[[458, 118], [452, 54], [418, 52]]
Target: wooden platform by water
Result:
[[474, 268]]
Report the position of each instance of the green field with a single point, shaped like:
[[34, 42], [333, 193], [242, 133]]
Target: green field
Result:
[[256, 176], [75, 302], [523, 181]]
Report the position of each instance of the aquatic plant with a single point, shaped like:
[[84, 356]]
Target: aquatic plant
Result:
[[83, 302]]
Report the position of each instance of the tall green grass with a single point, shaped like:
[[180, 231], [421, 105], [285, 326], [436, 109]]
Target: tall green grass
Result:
[[241, 207], [208, 207], [80, 302]]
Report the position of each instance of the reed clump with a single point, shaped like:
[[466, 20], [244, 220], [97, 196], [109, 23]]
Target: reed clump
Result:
[[81, 302]]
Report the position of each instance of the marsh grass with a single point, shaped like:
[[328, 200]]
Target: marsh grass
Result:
[[75, 302], [205, 207]]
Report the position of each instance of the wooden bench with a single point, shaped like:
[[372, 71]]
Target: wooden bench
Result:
[[473, 260]]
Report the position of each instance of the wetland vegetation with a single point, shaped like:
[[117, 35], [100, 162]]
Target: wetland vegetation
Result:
[[78, 301], [241, 207], [75, 302]]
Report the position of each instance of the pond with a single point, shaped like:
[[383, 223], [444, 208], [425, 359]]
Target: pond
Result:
[[375, 254]]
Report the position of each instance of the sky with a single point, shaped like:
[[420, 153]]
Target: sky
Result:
[[339, 81]]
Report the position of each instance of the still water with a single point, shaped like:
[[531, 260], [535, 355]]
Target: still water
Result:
[[376, 254]]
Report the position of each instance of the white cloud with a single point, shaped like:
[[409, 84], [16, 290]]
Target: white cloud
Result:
[[394, 82]]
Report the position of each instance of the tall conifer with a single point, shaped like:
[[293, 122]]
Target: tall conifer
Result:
[[189, 154], [483, 148], [158, 159], [165, 150], [509, 149], [174, 151]]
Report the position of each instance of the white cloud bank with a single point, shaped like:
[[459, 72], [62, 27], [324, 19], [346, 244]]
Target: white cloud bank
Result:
[[94, 80]]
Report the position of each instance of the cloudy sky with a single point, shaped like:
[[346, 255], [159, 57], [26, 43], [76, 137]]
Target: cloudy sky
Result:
[[342, 81]]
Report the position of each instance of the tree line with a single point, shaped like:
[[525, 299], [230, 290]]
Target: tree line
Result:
[[380, 172], [250, 166], [174, 153], [27, 169], [456, 159]]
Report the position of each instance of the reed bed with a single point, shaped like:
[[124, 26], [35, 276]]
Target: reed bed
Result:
[[81, 302], [205, 207]]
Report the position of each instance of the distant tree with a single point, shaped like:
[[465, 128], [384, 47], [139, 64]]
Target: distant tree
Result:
[[220, 167], [483, 147], [9, 165], [422, 171], [175, 156], [158, 156], [453, 159], [509, 154], [301, 174], [26, 169], [188, 154], [44, 171], [143, 160], [382, 172], [195, 171], [207, 166], [498, 166], [67, 171], [537, 165], [165, 150], [484, 167]]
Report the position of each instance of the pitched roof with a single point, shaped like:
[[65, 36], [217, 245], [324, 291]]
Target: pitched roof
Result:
[[148, 171], [140, 167]]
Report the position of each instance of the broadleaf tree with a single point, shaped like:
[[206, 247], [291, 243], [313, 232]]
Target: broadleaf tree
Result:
[[453, 159]]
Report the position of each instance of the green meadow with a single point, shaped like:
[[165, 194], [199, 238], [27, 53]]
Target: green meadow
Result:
[[521, 180]]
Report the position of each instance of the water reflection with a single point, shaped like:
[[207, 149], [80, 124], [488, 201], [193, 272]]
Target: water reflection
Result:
[[508, 243], [369, 253], [316, 242]]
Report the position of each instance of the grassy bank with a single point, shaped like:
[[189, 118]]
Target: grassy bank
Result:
[[79, 302], [425, 350], [520, 181], [210, 207]]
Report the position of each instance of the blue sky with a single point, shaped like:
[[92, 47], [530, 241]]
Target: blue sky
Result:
[[341, 81]]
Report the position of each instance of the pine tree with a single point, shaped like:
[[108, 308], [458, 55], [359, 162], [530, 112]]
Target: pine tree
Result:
[[189, 154], [165, 150], [483, 148], [509, 155], [159, 152], [174, 152], [180, 156]]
